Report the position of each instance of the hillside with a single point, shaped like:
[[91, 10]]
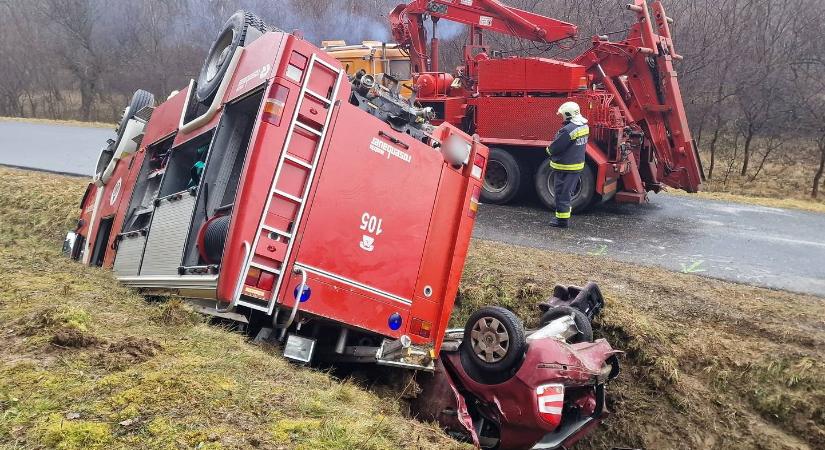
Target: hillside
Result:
[[90, 364]]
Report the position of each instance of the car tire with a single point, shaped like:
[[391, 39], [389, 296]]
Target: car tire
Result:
[[582, 196], [502, 179], [494, 345], [241, 29], [140, 99], [582, 322]]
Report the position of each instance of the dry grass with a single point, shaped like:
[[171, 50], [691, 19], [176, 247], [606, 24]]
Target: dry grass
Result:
[[709, 364], [778, 185], [89, 364], [74, 123]]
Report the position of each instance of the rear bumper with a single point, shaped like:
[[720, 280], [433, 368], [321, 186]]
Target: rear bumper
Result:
[[570, 432]]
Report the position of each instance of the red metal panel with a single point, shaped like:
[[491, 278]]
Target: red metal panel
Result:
[[165, 118], [362, 207], [525, 118], [361, 309], [256, 65], [528, 75], [116, 197]]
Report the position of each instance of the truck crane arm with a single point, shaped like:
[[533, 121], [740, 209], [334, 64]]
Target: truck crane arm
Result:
[[407, 22], [639, 73]]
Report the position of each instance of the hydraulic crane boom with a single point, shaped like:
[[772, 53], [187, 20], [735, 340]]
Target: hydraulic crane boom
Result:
[[407, 22], [629, 90]]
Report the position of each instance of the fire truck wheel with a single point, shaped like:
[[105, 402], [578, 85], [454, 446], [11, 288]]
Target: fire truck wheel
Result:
[[494, 344], [582, 322], [241, 29], [502, 181], [582, 195], [139, 100]]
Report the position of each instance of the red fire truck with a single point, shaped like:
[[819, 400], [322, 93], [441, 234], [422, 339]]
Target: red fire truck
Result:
[[640, 140], [327, 210]]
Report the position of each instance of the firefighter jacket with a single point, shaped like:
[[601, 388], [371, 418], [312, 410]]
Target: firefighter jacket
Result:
[[567, 149]]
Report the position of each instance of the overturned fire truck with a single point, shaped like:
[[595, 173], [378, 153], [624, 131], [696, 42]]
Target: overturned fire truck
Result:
[[326, 211]]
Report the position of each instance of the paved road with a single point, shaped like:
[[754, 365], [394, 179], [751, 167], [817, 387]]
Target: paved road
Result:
[[62, 148], [771, 247]]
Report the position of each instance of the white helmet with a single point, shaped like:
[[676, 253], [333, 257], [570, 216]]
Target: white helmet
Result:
[[569, 110]]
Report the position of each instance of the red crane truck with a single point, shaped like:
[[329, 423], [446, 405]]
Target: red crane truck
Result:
[[640, 140], [276, 191]]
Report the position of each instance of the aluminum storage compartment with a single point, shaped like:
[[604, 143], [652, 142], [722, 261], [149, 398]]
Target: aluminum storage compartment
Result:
[[168, 235]]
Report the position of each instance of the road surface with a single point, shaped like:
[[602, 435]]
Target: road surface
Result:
[[771, 247], [56, 147]]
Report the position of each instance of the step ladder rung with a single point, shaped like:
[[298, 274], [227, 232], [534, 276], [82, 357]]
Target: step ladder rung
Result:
[[265, 267], [277, 231], [298, 161], [327, 65], [306, 127], [318, 96], [288, 196], [252, 305]]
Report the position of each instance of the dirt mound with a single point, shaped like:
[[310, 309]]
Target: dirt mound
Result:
[[73, 338], [134, 349]]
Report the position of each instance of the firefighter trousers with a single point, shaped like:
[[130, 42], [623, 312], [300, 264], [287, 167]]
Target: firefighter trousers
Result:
[[564, 183]]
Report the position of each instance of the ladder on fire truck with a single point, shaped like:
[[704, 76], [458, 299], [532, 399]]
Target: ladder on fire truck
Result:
[[276, 192]]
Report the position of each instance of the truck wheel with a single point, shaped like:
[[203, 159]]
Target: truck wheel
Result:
[[502, 179], [241, 29], [582, 322], [582, 195], [494, 344], [140, 99]]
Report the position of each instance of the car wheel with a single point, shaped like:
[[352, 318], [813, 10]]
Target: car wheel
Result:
[[240, 30], [585, 333], [140, 99], [582, 195], [494, 344], [502, 179]]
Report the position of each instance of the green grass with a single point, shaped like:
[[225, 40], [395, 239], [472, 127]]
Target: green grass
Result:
[[87, 363]]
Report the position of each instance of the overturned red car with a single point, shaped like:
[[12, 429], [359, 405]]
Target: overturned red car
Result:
[[325, 211]]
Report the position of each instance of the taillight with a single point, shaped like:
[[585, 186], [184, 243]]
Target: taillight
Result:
[[420, 327], [550, 402], [266, 281], [252, 276], [474, 199], [478, 166], [583, 83], [274, 104]]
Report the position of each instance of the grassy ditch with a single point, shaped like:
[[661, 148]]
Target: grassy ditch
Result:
[[87, 363], [709, 364]]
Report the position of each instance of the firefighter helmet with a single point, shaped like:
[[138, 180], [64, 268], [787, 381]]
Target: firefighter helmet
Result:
[[569, 110]]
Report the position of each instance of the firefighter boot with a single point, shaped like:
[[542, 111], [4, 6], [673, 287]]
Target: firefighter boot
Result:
[[558, 223]]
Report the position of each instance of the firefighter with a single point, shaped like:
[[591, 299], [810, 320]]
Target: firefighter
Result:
[[567, 159]]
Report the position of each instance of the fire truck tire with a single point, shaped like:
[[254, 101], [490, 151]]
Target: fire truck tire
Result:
[[139, 100], [582, 322], [494, 345], [240, 30], [502, 182], [582, 196]]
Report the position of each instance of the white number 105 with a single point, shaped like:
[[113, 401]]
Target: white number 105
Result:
[[371, 224]]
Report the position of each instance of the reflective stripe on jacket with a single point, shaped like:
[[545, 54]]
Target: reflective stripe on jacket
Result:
[[568, 147]]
